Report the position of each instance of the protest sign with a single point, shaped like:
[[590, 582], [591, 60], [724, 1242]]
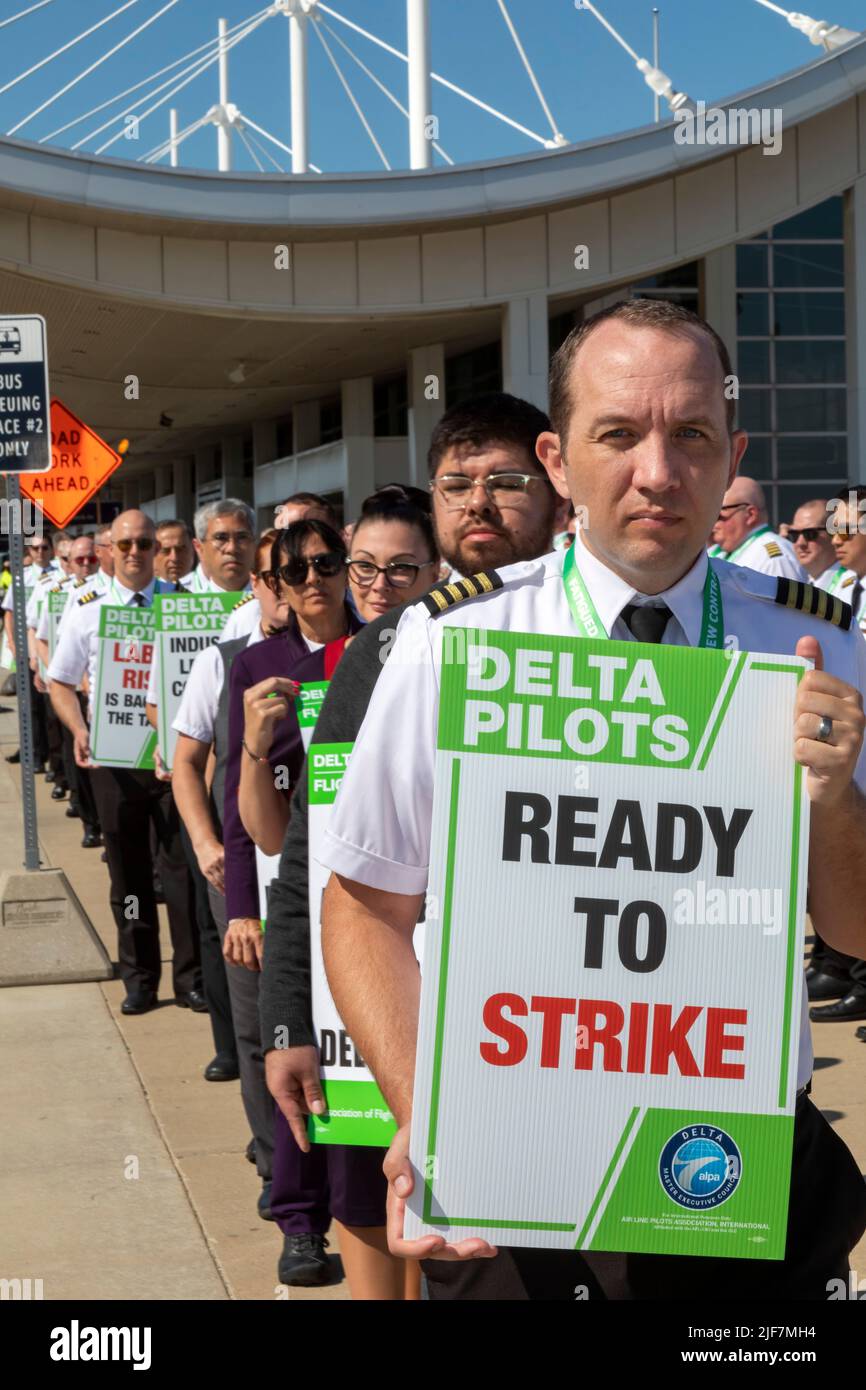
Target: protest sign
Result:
[[56, 606], [120, 734], [611, 996], [357, 1112], [185, 625]]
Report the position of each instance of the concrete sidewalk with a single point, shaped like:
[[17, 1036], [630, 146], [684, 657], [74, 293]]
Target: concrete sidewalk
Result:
[[123, 1170]]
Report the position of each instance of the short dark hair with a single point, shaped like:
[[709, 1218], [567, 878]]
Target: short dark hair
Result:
[[289, 544], [396, 502], [497, 418], [639, 313], [311, 499], [167, 525]]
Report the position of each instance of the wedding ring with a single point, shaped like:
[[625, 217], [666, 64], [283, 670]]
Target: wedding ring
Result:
[[825, 729]]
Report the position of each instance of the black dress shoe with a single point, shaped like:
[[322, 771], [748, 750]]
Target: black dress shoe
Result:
[[92, 839], [250, 1151], [14, 757], [58, 792], [845, 1011], [264, 1203], [222, 1068], [49, 776], [195, 1000], [303, 1263], [72, 812], [821, 985], [141, 1002]]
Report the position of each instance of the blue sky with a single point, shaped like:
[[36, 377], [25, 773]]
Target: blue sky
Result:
[[709, 50]]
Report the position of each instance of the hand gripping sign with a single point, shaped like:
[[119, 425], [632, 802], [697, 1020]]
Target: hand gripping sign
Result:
[[610, 1006]]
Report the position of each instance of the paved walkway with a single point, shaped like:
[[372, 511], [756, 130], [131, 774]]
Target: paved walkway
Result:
[[123, 1170]]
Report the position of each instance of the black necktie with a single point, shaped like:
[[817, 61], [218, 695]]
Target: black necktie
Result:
[[139, 601], [646, 622]]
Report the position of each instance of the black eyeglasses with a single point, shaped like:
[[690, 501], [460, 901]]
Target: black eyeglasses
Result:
[[809, 533], [295, 571], [399, 574], [223, 539], [730, 508]]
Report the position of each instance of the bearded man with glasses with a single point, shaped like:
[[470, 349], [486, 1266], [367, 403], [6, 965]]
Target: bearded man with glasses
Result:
[[131, 803]]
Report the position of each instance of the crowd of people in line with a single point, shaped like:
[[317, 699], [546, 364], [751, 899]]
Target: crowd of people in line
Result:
[[318, 601]]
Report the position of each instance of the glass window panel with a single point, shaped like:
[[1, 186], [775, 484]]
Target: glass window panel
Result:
[[753, 361], [824, 455], [789, 497], [809, 409], [752, 267], [753, 314], [680, 277], [808, 265], [754, 411], [809, 362], [820, 313], [825, 220], [757, 462]]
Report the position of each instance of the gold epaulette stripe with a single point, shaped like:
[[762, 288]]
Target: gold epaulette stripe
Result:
[[773, 550], [439, 600], [247, 598], [805, 598]]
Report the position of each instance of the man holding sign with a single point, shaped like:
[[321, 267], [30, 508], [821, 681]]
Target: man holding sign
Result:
[[645, 445], [108, 637]]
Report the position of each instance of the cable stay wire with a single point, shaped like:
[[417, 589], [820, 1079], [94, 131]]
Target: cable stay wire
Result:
[[23, 13], [588, 5], [203, 66], [381, 85], [557, 134], [71, 44], [435, 77], [119, 96], [93, 66], [768, 5], [353, 99], [263, 149], [245, 142], [260, 130]]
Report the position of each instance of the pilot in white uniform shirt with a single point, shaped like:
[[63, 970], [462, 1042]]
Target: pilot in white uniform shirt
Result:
[[764, 551], [383, 841], [836, 580]]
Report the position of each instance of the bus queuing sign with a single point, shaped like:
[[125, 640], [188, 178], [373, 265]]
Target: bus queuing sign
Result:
[[25, 434]]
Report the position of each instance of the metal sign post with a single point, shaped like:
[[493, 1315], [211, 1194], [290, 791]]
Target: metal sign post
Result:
[[25, 445], [22, 679]]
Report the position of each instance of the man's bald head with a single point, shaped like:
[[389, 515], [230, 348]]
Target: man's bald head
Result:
[[744, 507], [746, 490], [130, 521]]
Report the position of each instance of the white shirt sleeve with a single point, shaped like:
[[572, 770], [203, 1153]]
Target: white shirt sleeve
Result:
[[42, 625], [9, 601], [379, 832], [196, 715], [72, 652], [243, 621], [784, 566], [34, 605]]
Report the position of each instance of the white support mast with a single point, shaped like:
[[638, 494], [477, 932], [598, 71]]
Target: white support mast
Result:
[[418, 50], [224, 135], [172, 130], [299, 54]]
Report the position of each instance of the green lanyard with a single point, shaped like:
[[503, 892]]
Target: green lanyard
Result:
[[836, 580], [747, 542], [589, 624], [114, 596]]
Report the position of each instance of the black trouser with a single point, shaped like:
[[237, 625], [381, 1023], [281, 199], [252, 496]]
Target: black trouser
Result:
[[826, 1218], [129, 802], [78, 779], [54, 736], [828, 959], [244, 992], [213, 968], [40, 733]]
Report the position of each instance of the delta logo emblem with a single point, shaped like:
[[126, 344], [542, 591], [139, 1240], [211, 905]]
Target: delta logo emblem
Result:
[[700, 1167]]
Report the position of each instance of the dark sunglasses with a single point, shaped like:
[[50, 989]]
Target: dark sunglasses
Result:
[[809, 533], [295, 571], [143, 543]]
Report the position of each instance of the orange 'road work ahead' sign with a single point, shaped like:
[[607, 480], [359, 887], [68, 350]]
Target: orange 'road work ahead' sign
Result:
[[80, 463]]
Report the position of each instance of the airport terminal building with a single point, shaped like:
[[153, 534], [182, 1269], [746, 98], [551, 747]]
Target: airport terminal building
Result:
[[255, 335]]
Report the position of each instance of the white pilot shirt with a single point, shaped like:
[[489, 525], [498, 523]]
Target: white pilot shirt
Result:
[[835, 580], [208, 587], [761, 551], [40, 626], [243, 621], [78, 646], [39, 592], [98, 581], [197, 712], [379, 832]]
